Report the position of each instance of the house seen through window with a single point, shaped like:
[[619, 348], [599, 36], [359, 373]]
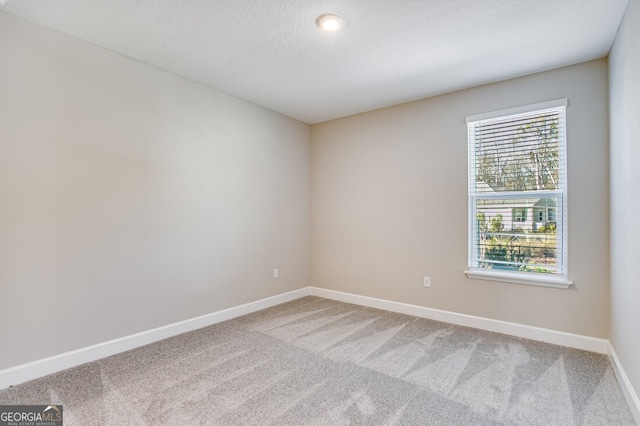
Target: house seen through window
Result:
[[517, 191]]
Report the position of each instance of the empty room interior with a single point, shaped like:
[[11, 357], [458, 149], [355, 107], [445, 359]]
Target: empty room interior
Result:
[[320, 212]]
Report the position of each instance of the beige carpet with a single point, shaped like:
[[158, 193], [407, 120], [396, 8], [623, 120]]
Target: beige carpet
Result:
[[320, 362]]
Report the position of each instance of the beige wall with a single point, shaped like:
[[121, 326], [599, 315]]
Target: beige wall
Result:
[[389, 204], [624, 63], [131, 198]]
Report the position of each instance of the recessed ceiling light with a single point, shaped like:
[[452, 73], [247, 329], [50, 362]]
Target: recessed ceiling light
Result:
[[330, 22]]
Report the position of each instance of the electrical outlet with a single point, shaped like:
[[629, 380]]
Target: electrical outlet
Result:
[[427, 281], [276, 273]]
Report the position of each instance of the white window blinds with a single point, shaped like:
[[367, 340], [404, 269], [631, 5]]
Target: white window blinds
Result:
[[517, 190]]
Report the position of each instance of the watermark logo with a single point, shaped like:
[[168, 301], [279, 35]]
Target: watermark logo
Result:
[[31, 415]]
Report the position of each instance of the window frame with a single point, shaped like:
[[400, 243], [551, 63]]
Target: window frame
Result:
[[559, 280]]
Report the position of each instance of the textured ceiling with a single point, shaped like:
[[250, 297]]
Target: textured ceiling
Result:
[[271, 52]]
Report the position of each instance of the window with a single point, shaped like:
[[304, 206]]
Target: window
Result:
[[551, 215], [517, 162], [519, 215]]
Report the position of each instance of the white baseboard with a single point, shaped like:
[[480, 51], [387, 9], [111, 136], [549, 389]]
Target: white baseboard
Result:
[[561, 338], [625, 384], [32, 370]]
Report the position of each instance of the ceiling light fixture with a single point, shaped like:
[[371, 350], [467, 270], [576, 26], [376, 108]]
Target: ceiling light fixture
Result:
[[330, 22]]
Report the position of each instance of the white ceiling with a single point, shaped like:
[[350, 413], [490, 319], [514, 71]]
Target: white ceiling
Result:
[[271, 52]]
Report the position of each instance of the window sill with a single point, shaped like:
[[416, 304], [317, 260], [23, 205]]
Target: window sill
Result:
[[525, 279]]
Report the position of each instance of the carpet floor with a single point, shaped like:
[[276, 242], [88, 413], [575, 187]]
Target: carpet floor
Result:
[[315, 361]]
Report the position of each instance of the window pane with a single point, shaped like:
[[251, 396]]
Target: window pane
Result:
[[509, 237], [518, 154]]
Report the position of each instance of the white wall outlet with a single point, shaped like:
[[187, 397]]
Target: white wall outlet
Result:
[[276, 273], [427, 281]]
